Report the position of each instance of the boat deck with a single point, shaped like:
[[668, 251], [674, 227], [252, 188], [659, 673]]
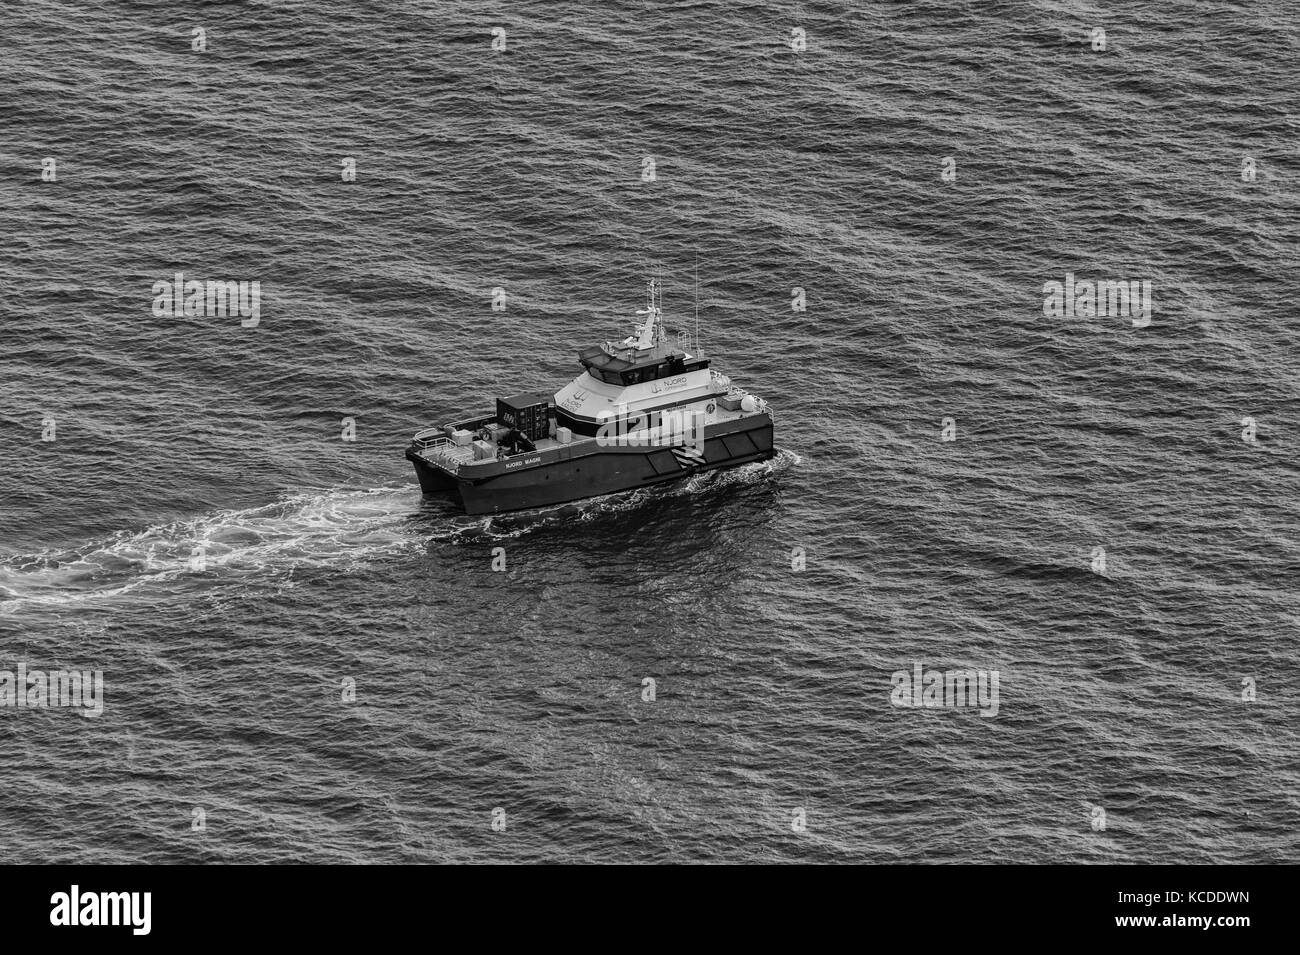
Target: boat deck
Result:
[[437, 448], [446, 454]]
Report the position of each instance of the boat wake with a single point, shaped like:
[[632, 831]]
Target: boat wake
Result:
[[337, 530], [329, 529]]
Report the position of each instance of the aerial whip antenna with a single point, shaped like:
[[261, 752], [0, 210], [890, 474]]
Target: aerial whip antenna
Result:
[[697, 306]]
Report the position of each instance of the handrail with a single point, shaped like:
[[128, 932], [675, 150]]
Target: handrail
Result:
[[423, 441]]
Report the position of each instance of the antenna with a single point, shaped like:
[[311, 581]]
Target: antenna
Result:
[[698, 354], [659, 328]]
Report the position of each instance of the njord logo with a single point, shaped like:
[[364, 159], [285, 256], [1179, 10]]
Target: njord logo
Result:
[[102, 908]]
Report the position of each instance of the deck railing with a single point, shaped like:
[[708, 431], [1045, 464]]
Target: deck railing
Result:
[[431, 438]]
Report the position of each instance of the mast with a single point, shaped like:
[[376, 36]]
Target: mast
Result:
[[651, 313]]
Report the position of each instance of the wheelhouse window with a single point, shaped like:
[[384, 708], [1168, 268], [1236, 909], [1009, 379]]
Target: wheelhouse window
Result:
[[634, 376]]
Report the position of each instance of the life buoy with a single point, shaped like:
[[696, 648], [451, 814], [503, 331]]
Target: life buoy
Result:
[[709, 409]]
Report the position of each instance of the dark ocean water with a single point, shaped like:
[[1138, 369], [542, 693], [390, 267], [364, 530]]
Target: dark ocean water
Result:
[[522, 690]]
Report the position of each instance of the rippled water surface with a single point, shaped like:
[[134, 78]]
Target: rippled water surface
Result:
[[774, 170]]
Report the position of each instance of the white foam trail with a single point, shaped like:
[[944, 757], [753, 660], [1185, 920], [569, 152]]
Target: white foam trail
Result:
[[334, 529], [306, 530]]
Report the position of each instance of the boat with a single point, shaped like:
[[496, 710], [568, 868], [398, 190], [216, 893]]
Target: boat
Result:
[[642, 412]]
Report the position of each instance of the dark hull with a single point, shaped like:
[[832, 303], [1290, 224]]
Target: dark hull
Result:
[[587, 470]]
